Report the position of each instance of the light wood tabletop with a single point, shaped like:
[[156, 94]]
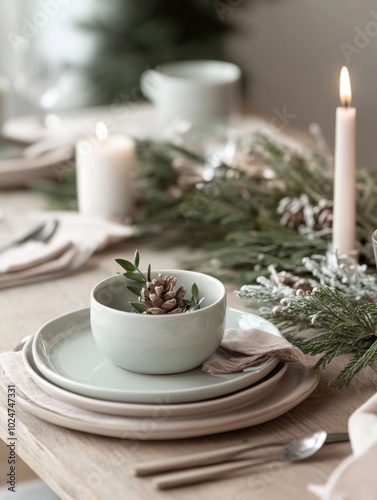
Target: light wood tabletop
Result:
[[77, 465]]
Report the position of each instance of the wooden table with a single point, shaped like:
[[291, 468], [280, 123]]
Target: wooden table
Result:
[[84, 466]]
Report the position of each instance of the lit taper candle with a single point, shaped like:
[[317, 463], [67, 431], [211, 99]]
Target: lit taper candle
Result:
[[344, 219]]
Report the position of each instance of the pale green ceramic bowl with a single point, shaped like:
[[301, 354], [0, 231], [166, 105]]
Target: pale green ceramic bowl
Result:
[[157, 344]]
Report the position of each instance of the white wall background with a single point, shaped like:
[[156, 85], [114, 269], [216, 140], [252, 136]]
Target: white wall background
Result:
[[292, 54], [290, 50]]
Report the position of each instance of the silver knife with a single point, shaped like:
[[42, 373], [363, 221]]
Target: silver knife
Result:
[[337, 437]]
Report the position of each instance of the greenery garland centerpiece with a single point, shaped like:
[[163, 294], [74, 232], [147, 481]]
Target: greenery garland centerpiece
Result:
[[266, 220]]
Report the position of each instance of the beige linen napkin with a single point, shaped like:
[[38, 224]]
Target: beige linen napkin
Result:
[[73, 243], [253, 347], [354, 478]]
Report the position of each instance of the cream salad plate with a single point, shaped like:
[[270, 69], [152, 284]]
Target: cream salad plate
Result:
[[65, 353]]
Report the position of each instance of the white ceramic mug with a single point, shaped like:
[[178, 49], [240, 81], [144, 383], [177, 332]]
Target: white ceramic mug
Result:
[[200, 92]]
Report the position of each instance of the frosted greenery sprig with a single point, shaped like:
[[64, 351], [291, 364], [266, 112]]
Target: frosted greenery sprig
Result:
[[337, 314], [342, 273]]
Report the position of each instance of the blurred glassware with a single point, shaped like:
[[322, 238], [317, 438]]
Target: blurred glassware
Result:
[[37, 80], [217, 144]]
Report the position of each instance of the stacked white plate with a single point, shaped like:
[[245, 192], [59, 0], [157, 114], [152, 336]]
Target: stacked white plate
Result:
[[64, 361], [18, 170]]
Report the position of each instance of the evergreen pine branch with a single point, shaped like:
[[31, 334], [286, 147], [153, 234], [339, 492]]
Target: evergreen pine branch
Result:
[[358, 362], [60, 193], [154, 165], [244, 256], [329, 345], [341, 326], [334, 312], [299, 174]]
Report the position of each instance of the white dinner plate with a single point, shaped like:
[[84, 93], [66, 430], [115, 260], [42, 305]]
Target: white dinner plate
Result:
[[234, 400], [295, 386], [65, 352], [17, 170], [142, 121]]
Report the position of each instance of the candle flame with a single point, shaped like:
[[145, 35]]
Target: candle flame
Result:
[[101, 131], [345, 87]]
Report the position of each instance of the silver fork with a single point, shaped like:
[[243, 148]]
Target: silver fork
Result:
[[158, 466], [43, 232], [291, 450], [295, 449]]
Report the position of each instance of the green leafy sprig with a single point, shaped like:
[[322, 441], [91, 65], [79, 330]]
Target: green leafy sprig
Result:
[[133, 273], [194, 303]]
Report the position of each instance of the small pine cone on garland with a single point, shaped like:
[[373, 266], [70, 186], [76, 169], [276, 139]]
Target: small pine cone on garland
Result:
[[299, 213], [161, 298], [321, 216], [292, 281], [292, 211]]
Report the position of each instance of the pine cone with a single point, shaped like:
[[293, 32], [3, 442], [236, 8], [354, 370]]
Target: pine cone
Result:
[[292, 281], [292, 211], [299, 212], [321, 216], [161, 298]]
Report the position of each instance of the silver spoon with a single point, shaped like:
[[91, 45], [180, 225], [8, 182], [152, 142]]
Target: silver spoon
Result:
[[294, 450]]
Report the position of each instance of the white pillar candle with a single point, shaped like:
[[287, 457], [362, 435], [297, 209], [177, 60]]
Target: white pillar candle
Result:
[[344, 218], [104, 175]]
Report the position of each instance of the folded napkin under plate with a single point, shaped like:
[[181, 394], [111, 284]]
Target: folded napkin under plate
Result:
[[280, 389], [251, 347], [74, 242]]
